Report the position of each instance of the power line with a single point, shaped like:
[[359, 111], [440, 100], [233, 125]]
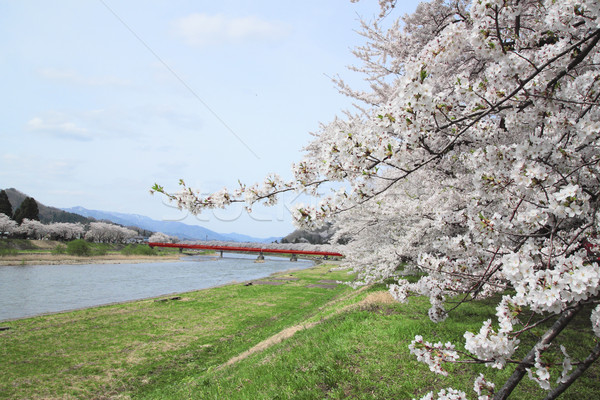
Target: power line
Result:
[[184, 83]]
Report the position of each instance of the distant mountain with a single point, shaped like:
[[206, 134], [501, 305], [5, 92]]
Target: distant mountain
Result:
[[47, 214], [172, 228], [238, 237]]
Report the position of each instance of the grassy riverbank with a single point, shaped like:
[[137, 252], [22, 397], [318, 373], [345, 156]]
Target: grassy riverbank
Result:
[[51, 252], [298, 337]]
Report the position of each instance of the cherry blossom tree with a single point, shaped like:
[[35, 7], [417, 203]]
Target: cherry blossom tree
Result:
[[159, 237], [121, 234], [473, 158], [103, 232], [66, 230], [34, 229], [7, 225]]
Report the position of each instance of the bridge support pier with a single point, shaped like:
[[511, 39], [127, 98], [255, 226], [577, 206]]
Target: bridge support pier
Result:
[[221, 253], [181, 249], [260, 258], [294, 257]]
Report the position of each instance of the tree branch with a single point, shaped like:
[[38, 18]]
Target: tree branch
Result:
[[557, 391], [546, 339]]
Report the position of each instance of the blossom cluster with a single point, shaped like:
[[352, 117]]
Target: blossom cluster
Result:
[[541, 375], [446, 394], [481, 386], [433, 354], [495, 347], [571, 280], [595, 317]]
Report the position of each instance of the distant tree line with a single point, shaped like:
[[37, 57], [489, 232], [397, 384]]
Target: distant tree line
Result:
[[25, 223], [99, 232]]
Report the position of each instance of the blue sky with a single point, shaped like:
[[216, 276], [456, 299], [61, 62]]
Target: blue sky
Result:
[[102, 98]]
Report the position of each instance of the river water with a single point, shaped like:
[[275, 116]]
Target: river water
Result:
[[27, 291]]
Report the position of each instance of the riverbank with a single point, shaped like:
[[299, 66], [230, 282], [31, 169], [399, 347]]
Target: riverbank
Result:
[[43, 252], [58, 259], [296, 334]]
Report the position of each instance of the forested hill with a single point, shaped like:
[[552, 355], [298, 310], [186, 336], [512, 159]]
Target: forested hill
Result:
[[47, 214]]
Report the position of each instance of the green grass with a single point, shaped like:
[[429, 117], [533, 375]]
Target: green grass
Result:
[[138, 249], [59, 249], [130, 348], [363, 354], [355, 347], [18, 244], [8, 252]]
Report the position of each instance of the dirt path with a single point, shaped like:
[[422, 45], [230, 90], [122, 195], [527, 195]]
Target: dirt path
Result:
[[377, 297]]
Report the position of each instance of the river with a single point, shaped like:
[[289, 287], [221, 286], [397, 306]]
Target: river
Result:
[[27, 291]]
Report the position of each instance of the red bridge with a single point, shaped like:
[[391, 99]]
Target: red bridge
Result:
[[259, 250]]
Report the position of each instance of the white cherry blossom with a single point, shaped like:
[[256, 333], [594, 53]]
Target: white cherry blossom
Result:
[[472, 160]]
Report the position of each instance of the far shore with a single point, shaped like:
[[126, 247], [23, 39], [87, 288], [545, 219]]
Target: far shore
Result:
[[61, 259]]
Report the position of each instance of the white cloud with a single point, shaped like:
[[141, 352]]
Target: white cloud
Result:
[[68, 193], [58, 126], [203, 29], [78, 79]]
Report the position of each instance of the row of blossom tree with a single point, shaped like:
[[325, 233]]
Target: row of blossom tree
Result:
[[100, 232], [474, 156]]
